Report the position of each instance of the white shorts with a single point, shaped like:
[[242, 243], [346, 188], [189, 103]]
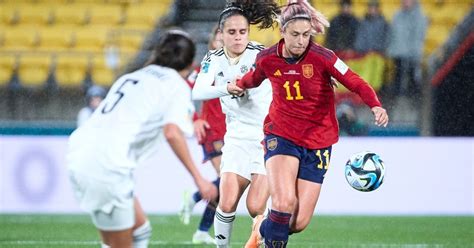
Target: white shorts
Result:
[[109, 201], [243, 157]]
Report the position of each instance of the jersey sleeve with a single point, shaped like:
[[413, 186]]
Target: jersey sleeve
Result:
[[181, 110], [203, 87], [353, 82], [254, 77]]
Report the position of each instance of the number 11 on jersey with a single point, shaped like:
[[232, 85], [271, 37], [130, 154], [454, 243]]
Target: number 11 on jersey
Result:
[[289, 95]]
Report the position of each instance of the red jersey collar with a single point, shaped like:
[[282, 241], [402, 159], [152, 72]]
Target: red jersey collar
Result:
[[280, 50]]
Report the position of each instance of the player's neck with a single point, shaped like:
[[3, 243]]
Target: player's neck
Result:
[[233, 58], [287, 54]]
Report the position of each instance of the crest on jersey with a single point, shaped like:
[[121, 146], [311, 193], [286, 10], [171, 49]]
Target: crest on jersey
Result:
[[308, 70], [277, 73], [272, 144], [244, 69], [218, 145], [205, 67]]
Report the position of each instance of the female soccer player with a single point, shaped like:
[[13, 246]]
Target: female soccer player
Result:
[[141, 106], [209, 128], [242, 158], [301, 126]]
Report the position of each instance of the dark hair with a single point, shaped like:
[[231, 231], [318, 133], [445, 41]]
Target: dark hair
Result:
[[263, 12], [174, 49]]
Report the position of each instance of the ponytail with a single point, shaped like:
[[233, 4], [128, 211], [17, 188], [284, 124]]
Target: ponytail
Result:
[[262, 12]]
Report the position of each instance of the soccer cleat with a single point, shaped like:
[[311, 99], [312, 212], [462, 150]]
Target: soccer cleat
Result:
[[255, 239], [186, 208], [201, 237]]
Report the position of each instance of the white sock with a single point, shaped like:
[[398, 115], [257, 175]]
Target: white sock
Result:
[[102, 245], [141, 235], [223, 223]]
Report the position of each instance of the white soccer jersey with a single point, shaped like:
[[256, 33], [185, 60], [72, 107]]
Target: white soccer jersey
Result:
[[125, 127], [244, 115]]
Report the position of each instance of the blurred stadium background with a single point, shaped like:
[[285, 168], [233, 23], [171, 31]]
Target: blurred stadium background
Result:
[[51, 51]]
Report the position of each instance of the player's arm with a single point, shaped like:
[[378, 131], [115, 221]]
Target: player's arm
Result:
[[340, 71], [253, 78], [204, 88], [178, 144]]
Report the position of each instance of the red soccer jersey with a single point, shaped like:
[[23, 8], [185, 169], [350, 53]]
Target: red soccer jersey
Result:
[[303, 108], [211, 112]]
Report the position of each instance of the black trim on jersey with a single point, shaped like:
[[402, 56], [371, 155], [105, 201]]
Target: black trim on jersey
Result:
[[218, 52], [253, 46]]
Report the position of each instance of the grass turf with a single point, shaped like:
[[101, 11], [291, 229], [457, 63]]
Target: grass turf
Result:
[[324, 231]]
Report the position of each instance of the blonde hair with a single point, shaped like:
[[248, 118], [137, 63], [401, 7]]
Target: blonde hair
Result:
[[301, 9]]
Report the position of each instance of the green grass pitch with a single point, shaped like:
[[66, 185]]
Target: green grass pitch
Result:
[[324, 231]]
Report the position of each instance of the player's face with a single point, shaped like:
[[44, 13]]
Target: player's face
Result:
[[235, 35], [297, 35]]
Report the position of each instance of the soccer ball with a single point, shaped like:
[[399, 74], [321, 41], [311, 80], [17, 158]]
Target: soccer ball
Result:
[[365, 171]]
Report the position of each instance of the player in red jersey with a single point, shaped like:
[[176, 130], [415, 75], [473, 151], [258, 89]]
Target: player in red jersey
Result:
[[301, 126], [209, 128]]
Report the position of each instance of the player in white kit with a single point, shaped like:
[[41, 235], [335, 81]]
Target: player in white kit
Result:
[[140, 107], [242, 159]]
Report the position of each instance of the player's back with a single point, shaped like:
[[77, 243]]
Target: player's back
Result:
[[126, 125]]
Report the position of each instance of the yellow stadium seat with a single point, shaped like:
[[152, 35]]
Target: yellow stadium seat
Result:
[[389, 10], [33, 70], [55, 39], [19, 39], [90, 39], [329, 10], [436, 35], [446, 14], [130, 42], [8, 14], [106, 15], [71, 70], [36, 14], [267, 37], [144, 16], [7, 68], [71, 14], [101, 73]]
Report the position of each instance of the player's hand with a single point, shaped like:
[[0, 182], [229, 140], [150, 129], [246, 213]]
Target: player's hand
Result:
[[207, 189], [200, 129], [234, 90], [381, 116]]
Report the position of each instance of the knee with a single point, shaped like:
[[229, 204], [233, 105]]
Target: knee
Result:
[[227, 206], [255, 208]]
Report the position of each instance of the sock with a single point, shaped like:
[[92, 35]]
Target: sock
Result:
[[207, 217], [102, 245], [197, 196], [141, 235], [275, 229], [223, 223]]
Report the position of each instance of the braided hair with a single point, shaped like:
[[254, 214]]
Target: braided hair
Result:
[[261, 12]]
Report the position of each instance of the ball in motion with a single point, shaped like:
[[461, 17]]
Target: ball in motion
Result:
[[365, 171]]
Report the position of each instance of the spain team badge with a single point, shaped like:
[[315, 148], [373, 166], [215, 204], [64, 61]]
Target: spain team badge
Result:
[[272, 144], [308, 70]]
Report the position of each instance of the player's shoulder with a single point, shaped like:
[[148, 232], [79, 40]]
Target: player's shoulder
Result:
[[267, 52], [321, 52], [253, 45], [213, 55]]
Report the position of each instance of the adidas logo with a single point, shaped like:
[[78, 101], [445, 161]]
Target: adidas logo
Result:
[[220, 74], [220, 236], [277, 73]]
